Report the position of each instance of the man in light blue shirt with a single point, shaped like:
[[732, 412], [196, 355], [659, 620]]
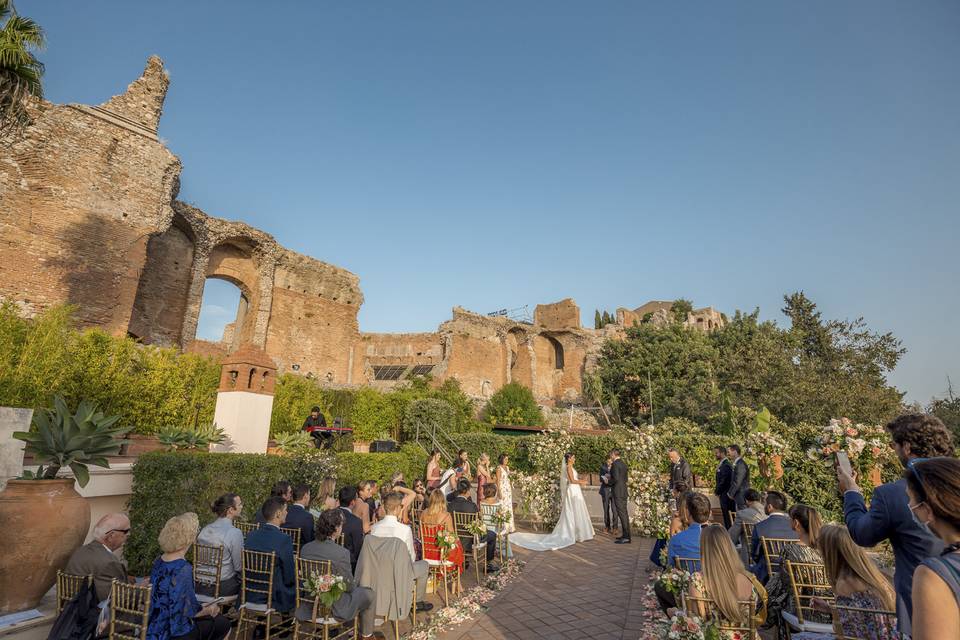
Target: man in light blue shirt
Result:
[[222, 533], [685, 544]]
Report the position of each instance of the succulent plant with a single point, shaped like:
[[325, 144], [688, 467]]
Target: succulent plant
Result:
[[294, 441], [196, 438]]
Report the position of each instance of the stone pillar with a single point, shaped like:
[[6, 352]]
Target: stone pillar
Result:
[[11, 451], [245, 400], [198, 278], [264, 302]]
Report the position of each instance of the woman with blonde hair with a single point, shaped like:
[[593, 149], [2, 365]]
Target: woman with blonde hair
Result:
[[175, 613], [436, 514], [327, 494], [483, 475], [806, 522]]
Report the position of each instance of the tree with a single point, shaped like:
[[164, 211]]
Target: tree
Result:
[[606, 319], [948, 410], [513, 404], [597, 319], [680, 309], [20, 71]]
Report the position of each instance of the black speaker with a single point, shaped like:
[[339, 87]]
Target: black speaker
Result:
[[383, 446]]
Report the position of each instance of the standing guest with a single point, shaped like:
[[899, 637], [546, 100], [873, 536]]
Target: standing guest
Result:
[[356, 599], [269, 538], [685, 544], [391, 527], [175, 612], [436, 513], [316, 426], [806, 523], [618, 485], [462, 466], [913, 436], [752, 513], [297, 515], [448, 482], [352, 525], [934, 489], [777, 524], [281, 489], [724, 476], [463, 504], [222, 533], [505, 489], [433, 470], [679, 469], [327, 495], [361, 508], [98, 557], [740, 479], [483, 475], [607, 496]]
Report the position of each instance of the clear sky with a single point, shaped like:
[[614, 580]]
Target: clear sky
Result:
[[500, 154]]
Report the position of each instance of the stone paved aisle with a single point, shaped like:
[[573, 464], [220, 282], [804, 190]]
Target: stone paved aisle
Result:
[[590, 590]]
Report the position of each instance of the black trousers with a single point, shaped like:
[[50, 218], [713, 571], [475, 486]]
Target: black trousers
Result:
[[207, 629], [620, 503], [727, 505], [608, 511]]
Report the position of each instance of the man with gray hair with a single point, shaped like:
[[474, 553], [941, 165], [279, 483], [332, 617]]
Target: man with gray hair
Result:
[[97, 558]]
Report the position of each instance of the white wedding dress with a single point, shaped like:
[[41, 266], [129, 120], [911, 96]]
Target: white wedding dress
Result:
[[574, 524]]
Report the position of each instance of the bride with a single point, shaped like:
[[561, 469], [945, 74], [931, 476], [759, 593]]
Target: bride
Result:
[[574, 524]]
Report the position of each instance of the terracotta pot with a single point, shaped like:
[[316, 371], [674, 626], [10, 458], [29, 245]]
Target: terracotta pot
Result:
[[764, 466], [45, 520], [876, 479], [777, 466], [361, 446], [139, 444]]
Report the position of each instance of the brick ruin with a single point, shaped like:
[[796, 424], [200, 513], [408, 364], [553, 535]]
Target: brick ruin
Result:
[[89, 216]]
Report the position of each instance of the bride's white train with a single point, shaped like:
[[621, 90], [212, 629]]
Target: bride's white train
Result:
[[574, 524]]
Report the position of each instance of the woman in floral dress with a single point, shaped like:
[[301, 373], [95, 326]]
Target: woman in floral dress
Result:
[[505, 489], [483, 474]]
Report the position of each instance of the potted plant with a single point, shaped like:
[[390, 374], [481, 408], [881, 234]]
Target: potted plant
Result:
[[49, 516]]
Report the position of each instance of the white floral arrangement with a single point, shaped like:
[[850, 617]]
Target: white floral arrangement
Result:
[[842, 434], [765, 444]]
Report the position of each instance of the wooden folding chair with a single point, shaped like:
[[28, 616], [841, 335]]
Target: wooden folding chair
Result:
[[772, 550], [706, 608], [690, 565], [207, 565], [68, 586], [321, 620], [438, 568], [295, 536], [807, 581], [246, 527], [877, 623], [479, 550], [257, 584], [129, 610]]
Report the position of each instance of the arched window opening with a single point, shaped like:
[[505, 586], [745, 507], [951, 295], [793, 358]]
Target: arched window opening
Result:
[[222, 311], [557, 352]]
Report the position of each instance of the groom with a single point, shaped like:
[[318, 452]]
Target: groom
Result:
[[618, 483]]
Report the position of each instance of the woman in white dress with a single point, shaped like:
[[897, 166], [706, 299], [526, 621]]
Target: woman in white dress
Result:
[[505, 489], [574, 524]]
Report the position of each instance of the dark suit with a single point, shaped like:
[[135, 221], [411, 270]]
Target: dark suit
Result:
[[776, 525], [94, 559], [889, 518], [352, 535], [463, 504], [739, 483], [680, 472], [723, 478], [300, 518], [618, 482], [356, 599], [266, 539], [606, 495]]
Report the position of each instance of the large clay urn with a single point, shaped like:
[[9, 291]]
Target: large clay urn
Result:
[[43, 522]]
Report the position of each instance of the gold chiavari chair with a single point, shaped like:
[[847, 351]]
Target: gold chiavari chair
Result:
[[246, 527], [807, 581], [68, 586], [129, 610], [772, 550], [877, 623], [690, 565], [207, 564], [732, 515], [479, 551], [747, 534], [438, 568], [342, 540], [295, 536], [321, 620], [706, 608], [257, 583]]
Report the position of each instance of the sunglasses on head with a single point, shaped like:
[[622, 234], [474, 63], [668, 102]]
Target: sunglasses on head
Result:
[[124, 531]]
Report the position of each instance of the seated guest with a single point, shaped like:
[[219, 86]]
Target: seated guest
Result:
[[357, 599], [327, 495], [409, 498], [806, 523], [222, 533], [776, 525], [98, 557], [448, 482], [679, 520], [391, 527], [489, 507], [437, 513], [420, 488], [857, 583], [751, 514], [352, 526], [363, 507], [463, 504], [297, 515], [685, 544], [174, 610], [269, 538], [281, 489]]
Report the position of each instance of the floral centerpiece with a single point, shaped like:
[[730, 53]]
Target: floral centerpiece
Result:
[[768, 448], [327, 588], [864, 444], [446, 541], [501, 518], [477, 528], [675, 581], [686, 627]]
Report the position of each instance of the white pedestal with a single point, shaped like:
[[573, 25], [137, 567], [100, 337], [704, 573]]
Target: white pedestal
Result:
[[11, 451], [245, 418]]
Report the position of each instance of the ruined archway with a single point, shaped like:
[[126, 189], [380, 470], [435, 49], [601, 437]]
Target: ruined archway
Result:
[[223, 309], [234, 261]]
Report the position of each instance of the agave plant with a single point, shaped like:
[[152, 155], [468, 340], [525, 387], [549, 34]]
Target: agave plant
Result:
[[295, 441], [196, 438], [64, 439]]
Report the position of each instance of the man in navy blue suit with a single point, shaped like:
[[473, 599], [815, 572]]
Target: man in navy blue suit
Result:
[[297, 515], [352, 525], [776, 525], [914, 436], [269, 538]]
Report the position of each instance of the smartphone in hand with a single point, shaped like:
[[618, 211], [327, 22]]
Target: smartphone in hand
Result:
[[843, 463]]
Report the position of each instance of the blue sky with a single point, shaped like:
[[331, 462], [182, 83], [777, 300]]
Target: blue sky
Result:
[[502, 154]]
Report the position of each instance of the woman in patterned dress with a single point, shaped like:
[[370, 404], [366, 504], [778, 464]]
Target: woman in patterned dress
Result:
[[483, 475], [505, 489]]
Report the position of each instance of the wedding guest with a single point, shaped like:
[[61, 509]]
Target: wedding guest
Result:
[[409, 497], [448, 482], [740, 479], [483, 474], [281, 489], [777, 524], [505, 489], [222, 533], [420, 488], [433, 470], [297, 515], [327, 495], [362, 508], [724, 475], [352, 525], [679, 469], [489, 507], [98, 558], [858, 583], [889, 518], [679, 520], [391, 527], [752, 513], [806, 523], [606, 496], [463, 504], [436, 514], [685, 544], [356, 600], [462, 466], [175, 612], [934, 489], [269, 538]]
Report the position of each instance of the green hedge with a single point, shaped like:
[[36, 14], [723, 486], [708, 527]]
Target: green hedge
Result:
[[353, 468]]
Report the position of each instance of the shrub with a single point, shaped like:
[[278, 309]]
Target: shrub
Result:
[[295, 395], [494, 444], [513, 404], [427, 415], [373, 415], [353, 468]]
